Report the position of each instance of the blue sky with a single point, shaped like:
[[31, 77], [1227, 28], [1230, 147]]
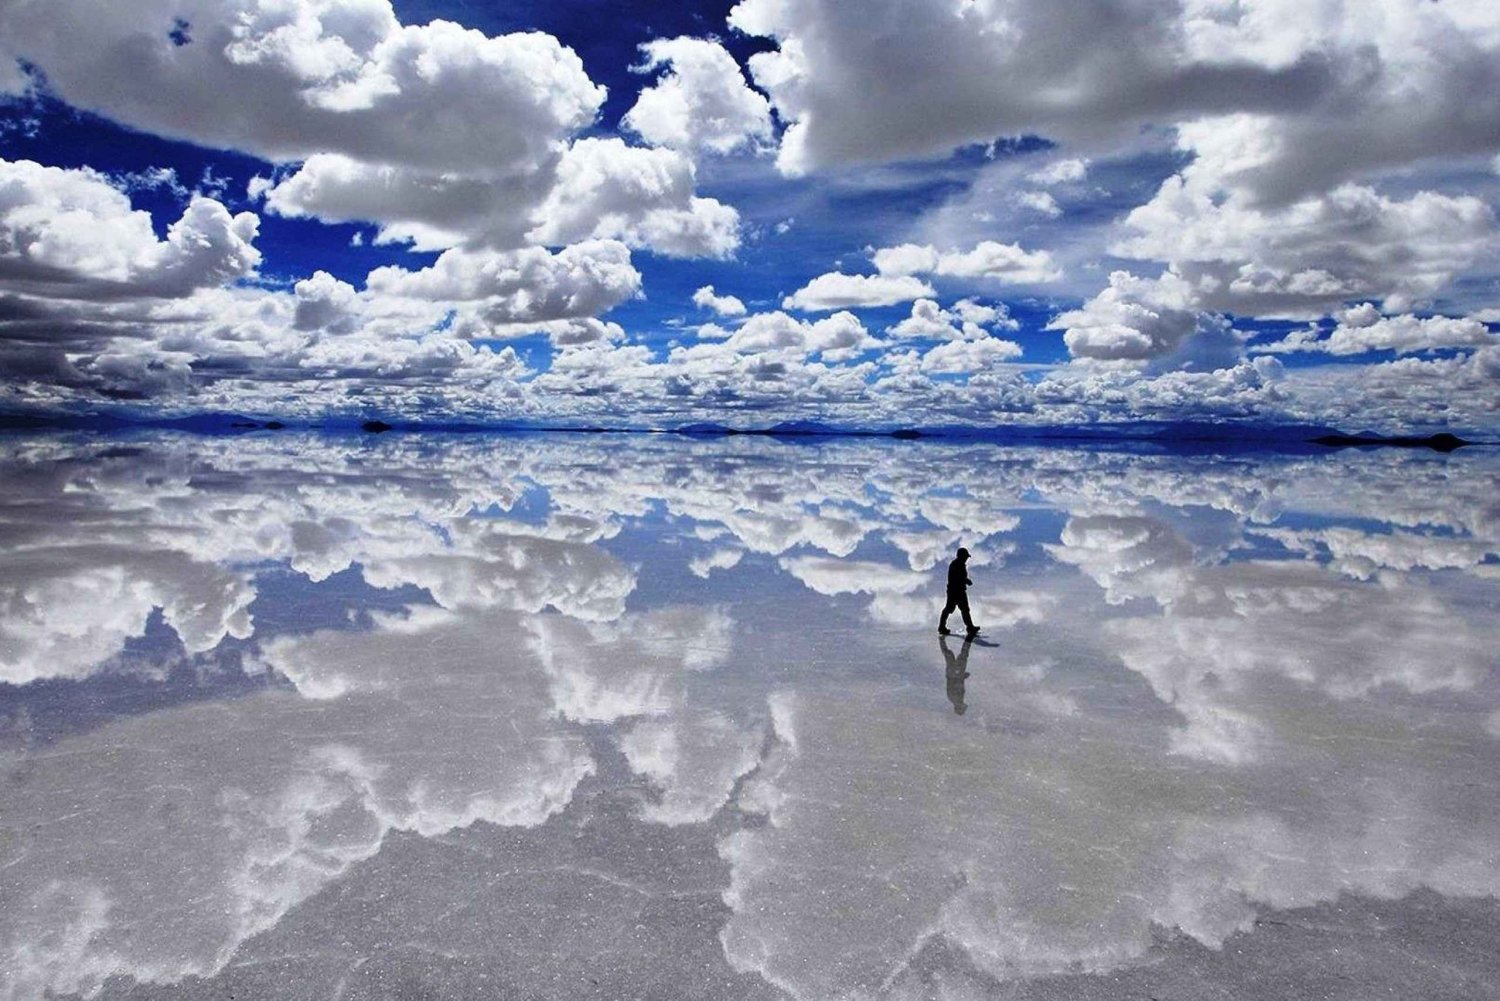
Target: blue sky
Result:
[[981, 212]]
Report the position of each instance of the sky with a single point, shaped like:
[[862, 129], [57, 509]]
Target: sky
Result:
[[892, 213]]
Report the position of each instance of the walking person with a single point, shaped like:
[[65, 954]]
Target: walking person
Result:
[[958, 593]]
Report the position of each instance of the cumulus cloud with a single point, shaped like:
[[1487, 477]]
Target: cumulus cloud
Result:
[[839, 335], [989, 259], [718, 559], [438, 134], [701, 102], [643, 197], [863, 85], [1359, 332], [1040, 201], [723, 305], [1328, 156], [927, 319], [524, 285], [289, 80], [1069, 170], [834, 577], [159, 902], [1312, 255], [958, 357], [324, 303], [1333, 87], [638, 671], [430, 211], [1143, 320], [836, 290], [966, 321], [593, 189], [71, 234], [985, 314]]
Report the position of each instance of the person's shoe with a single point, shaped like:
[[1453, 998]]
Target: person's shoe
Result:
[[973, 630], [944, 631]]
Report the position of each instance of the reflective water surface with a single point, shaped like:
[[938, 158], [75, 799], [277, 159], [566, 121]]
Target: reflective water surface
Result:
[[627, 716]]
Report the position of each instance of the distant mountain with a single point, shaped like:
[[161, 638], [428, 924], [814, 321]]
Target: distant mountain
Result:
[[1176, 435], [1236, 432], [197, 423], [1442, 442], [208, 423], [801, 429]]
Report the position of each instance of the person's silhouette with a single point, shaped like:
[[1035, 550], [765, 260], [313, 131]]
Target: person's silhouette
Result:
[[957, 670], [958, 593]]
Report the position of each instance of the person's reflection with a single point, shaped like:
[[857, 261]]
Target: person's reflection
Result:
[[957, 671]]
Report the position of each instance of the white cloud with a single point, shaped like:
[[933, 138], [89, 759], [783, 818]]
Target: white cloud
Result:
[[1041, 202], [836, 290], [593, 189], [701, 103], [119, 893], [642, 197], [969, 356], [719, 559], [325, 303], [927, 319], [70, 234], [723, 305], [523, 285], [105, 595], [838, 336], [432, 211], [1141, 320], [1362, 555], [982, 315], [841, 576], [1322, 156], [1403, 334], [1070, 170], [1307, 257], [291, 79], [1003, 262], [1341, 91], [966, 321]]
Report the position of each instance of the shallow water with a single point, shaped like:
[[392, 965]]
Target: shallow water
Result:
[[628, 716]]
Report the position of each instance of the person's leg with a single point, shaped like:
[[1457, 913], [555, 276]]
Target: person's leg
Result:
[[947, 611], [963, 606]]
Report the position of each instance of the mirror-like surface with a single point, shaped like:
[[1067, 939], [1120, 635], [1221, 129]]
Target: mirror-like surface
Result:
[[625, 716]]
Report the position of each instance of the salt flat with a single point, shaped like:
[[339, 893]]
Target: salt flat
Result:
[[614, 716]]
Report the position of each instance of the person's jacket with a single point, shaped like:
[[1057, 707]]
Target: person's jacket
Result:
[[958, 577]]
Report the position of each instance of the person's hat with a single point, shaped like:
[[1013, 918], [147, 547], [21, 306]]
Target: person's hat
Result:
[[962, 551]]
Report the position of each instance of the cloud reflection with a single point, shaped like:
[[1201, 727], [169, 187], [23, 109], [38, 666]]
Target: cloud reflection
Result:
[[1218, 685]]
